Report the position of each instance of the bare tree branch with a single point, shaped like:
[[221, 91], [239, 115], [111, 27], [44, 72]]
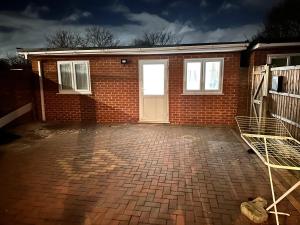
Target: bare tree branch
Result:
[[11, 61], [65, 39], [16, 60], [157, 38], [97, 36], [282, 23]]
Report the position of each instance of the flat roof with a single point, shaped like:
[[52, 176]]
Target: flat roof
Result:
[[275, 45], [133, 50]]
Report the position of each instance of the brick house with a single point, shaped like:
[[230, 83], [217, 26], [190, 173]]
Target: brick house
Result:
[[200, 84], [277, 54]]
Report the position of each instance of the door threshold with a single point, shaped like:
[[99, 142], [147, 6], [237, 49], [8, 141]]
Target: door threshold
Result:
[[158, 122]]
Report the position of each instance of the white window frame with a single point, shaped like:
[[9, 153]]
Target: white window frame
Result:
[[73, 76], [286, 55], [202, 90]]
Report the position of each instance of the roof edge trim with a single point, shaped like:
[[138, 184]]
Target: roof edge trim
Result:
[[271, 45], [143, 51]]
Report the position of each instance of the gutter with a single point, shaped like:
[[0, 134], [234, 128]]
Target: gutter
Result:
[[274, 45], [144, 51]]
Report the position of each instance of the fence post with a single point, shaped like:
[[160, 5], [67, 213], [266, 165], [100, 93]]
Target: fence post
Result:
[[266, 88], [251, 92]]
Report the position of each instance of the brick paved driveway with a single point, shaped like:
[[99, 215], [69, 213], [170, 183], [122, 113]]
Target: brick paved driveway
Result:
[[130, 174]]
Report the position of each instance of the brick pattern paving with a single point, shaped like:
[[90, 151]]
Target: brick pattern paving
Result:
[[131, 174]]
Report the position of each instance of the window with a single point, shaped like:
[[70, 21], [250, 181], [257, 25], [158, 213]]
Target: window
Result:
[[277, 60], [74, 77], [295, 60], [212, 75], [193, 71], [203, 76], [153, 79]]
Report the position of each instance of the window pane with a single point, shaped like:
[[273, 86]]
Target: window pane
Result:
[[193, 76], [154, 79], [295, 60], [66, 76], [212, 75], [276, 62], [81, 74]]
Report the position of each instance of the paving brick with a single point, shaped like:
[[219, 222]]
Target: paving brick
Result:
[[130, 174]]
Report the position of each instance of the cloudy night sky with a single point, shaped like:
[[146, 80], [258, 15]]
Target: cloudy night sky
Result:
[[25, 23]]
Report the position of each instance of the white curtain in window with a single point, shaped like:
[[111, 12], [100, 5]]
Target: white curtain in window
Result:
[[81, 76], [66, 76], [193, 76], [212, 75]]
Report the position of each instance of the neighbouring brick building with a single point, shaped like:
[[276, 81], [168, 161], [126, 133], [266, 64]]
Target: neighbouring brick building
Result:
[[274, 54], [201, 84], [280, 53]]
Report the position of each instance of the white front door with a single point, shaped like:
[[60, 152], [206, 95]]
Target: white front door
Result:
[[154, 106]]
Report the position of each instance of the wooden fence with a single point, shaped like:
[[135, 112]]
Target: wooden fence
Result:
[[16, 93], [285, 105], [258, 94]]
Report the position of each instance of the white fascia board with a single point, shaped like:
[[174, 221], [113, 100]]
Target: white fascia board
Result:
[[272, 45], [147, 51]]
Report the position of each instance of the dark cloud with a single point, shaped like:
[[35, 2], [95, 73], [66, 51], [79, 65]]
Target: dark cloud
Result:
[[77, 15], [34, 11], [7, 29], [25, 23]]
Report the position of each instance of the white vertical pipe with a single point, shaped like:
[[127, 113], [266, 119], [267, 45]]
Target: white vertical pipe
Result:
[[41, 92]]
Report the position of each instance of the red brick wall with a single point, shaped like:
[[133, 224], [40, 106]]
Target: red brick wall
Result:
[[244, 93], [115, 94], [259, 57]]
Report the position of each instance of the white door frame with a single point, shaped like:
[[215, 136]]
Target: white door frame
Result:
[[166, 87]]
